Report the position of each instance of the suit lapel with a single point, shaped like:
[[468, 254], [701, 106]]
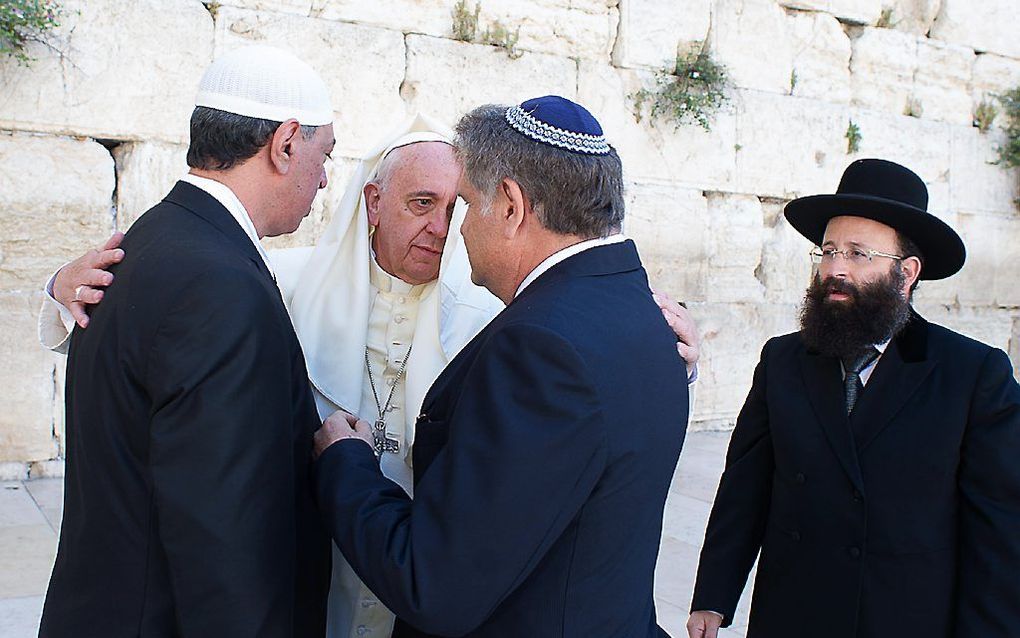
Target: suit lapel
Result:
[[897, 376], [823, 380]]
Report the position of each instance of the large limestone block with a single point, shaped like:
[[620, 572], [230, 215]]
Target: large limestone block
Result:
[[736, 229], [363, 66], [882, 69], [989, 278], [655, 149], [986, 26], [856, 11], [651, 30], [912, 16], [851, 11], [923, 146], [976, 184], [295, 7], [785, 268], [569, 29], [993, 326], [789, 146], [993, 75], [821, 57], [1014, 347], [942, 82], [670, 227], [448, 78], [55, 201], [26, 404], [749, 38], [733, 336], [129, 70]]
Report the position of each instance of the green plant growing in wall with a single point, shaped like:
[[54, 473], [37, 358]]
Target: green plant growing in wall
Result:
[[853, 138], [498, 35], [1009, 153], [690, 92], [23, 22], [984, 115], [465, 22]]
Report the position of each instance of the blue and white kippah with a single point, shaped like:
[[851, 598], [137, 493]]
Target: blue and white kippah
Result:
[[559, 122]]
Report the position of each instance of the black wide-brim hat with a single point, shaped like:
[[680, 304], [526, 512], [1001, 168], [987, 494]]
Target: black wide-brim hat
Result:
[[893, 195]]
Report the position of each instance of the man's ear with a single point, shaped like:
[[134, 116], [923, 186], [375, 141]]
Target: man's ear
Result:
[[911, 271], [281, 146], [371, 195], [515, 207]]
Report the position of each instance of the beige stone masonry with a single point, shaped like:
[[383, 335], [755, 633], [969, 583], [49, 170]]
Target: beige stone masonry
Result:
[[127, 70], [56, 197]]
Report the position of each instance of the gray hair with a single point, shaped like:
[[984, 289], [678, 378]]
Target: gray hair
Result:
[[221, 140], [571, 193]]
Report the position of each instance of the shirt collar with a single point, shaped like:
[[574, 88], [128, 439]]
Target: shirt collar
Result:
[[385, 282], [566, 253], [222, 193]]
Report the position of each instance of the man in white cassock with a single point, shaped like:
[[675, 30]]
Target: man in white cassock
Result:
[[380, 305]]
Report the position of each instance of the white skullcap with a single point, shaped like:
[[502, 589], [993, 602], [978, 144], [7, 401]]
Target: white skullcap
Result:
[[267, 83]]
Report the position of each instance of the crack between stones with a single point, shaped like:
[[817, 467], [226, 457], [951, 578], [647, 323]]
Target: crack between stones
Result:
[[110, 145]]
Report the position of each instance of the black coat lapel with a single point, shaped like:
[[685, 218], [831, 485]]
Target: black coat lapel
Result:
[[823, 381], [211, 210], [897, 376]]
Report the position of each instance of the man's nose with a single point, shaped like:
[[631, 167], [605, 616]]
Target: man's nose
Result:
[[439, 223], [830, 267]]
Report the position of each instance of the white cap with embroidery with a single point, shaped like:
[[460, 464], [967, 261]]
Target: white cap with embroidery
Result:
[[267, 83]]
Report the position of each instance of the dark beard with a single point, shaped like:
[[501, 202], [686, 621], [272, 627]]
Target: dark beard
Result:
[[875, 313]]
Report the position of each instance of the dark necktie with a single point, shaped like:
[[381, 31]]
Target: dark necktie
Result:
[[852, 367]]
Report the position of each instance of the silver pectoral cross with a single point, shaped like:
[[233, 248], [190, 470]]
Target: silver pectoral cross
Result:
[[383, 442]]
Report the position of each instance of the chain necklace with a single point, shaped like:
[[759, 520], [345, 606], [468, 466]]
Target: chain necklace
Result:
[[382, 442]]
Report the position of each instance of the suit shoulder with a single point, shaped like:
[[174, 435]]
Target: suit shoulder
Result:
[[964, 352], [783, 344], [943, 337]]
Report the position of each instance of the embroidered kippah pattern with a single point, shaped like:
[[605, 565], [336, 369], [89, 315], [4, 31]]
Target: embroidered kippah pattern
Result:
[[529, 125]]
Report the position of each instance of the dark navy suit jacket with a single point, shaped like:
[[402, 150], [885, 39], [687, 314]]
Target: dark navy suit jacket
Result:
[[542, 460], [903, 520], [189, 508]]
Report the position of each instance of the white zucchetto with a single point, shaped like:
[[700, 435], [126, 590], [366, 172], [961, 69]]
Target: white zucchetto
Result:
[[267, 83]]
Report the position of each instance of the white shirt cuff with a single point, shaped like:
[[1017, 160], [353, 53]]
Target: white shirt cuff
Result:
[[55, 321]]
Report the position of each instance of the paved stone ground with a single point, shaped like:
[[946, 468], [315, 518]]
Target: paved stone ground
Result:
[[30, 517]]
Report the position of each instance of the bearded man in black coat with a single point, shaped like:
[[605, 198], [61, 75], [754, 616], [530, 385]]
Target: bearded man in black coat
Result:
[[874, 463]]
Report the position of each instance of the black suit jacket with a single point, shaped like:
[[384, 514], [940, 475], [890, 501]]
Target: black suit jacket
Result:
[[188, 507], [542, 461], [909, 528]]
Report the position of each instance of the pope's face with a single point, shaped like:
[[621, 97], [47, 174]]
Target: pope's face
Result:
[[411, 208]]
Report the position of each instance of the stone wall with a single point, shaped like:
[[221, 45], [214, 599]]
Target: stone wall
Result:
[[94, 132]]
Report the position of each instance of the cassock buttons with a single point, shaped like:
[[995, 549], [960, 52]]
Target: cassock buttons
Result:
[[795, 535], [800, 478], [855, 552], [858, 497]]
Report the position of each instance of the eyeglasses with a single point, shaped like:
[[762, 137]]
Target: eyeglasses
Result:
[[856, 256]]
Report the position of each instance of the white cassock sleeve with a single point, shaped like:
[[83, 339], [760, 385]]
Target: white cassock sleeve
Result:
[[55, 321]]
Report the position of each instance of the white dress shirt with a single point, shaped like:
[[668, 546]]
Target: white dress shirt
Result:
[[565, 253]]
